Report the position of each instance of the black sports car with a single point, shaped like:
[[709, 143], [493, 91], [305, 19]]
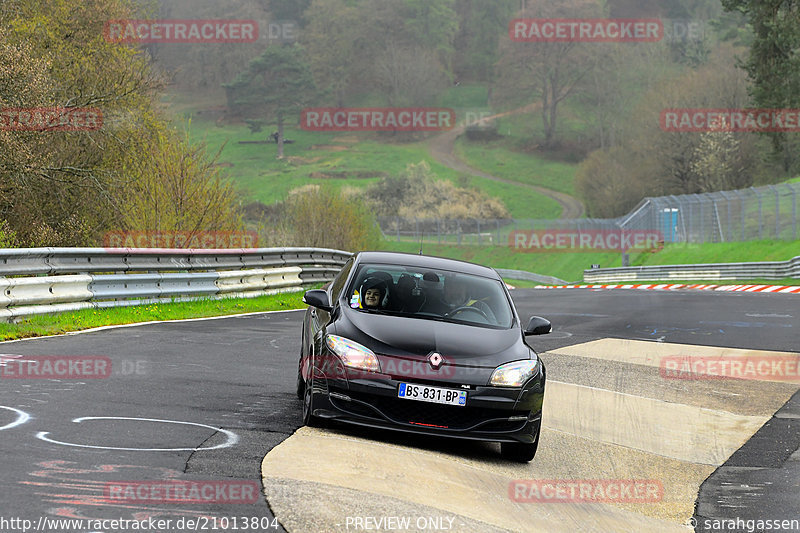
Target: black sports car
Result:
[[424, 345]]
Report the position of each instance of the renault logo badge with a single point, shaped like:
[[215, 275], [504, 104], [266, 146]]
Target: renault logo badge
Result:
[[435, 359]]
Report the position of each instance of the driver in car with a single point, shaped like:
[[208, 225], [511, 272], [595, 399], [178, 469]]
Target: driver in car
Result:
[[456, 296]]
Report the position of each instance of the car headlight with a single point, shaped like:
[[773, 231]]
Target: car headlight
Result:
[[514, 374], [353, 354]]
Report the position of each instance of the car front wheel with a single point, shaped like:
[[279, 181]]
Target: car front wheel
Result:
[[520, 451], [308, 406], [301, 383]]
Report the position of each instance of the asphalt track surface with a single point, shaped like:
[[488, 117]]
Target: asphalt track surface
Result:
[[207, 400]]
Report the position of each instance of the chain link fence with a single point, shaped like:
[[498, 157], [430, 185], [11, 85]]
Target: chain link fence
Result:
[[757, 213]]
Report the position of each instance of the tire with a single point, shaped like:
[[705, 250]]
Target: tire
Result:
[[308, 406], [301, 383], [519, 451]]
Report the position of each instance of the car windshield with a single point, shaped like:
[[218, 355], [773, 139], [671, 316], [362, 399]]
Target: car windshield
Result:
[[431, 294]]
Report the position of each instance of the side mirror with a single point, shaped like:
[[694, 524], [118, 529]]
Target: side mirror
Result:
[[538, 326], [317, 298]]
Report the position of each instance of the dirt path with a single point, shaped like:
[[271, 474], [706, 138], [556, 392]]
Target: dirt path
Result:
[[442, 149]]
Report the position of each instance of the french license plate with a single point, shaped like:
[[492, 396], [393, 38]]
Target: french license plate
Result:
[[425, 393]]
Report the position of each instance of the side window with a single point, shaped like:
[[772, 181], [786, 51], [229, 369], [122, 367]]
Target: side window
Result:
[[338, 282]]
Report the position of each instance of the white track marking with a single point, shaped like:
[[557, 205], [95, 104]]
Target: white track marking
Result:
[[233, 438], [22, 417]]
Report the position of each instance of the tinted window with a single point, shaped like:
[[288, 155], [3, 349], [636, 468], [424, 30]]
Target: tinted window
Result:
[[432, 294], [339, 280]]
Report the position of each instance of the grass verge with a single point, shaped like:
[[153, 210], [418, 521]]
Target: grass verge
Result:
[[570, 266], [347, 160], [498, 159], [41, 325]]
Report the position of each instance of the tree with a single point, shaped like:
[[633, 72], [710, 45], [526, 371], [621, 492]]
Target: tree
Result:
[[651, 161], [331, 41], [548, 71], [714, 160], [610, 182], [276, 85], [613, 91], [432, 24], [481, 25], [320, 217], [719, 84], [409, 76], [774, 61], [288, 9], [179, 189], [206, 67], [66, 188], [56, 188], [356, 46]]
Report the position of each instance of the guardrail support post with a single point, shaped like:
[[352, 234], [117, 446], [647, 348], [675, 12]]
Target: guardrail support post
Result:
[[777, 212], [794, 212]]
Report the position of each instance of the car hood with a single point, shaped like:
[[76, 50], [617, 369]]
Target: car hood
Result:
[[415, 339]]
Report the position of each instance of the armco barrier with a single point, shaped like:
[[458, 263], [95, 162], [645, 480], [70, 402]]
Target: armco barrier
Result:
[[48, 280], [769, 270], [529, 276]]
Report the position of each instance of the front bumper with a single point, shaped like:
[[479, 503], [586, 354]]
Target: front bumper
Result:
[[492, 414]]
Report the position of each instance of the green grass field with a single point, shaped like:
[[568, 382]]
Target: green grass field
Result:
[[497, 159], [358, 159], [570, 266], [321, 158], [339, 160]]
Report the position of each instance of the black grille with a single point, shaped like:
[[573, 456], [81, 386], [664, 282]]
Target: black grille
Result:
[[431, 414]]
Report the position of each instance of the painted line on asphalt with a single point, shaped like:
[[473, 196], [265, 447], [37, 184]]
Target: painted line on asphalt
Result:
[[137, 324], [22, 417], [771, 289], [232, 438]]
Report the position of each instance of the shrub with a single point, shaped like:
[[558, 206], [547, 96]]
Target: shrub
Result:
[[320, 217]]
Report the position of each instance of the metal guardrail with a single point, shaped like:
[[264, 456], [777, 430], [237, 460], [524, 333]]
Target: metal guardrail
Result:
[[768, 270], [48, 280], [529, 276]]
